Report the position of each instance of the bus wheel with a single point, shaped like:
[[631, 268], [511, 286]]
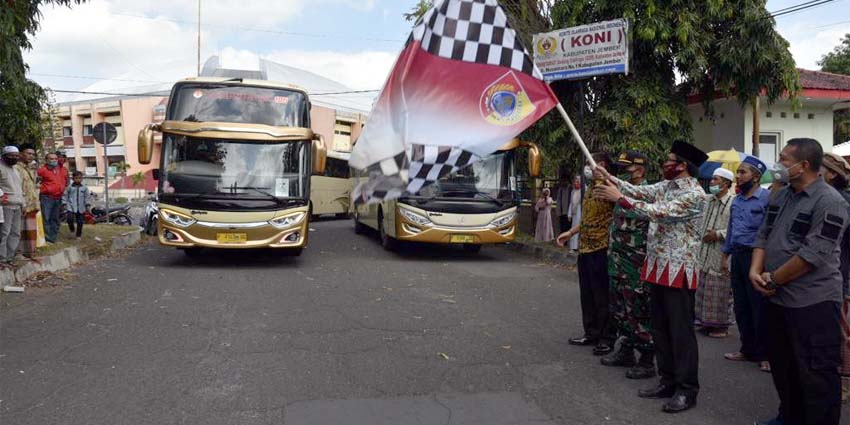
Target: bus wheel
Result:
[[472, 247], [359, 228], [386, 240]]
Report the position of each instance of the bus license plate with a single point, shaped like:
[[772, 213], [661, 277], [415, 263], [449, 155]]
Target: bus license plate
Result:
[[462, 239], [232, 237]]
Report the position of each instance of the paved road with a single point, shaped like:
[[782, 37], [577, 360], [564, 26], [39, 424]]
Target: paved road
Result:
[[346, 333]]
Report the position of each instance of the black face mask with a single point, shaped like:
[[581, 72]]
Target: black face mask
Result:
[[10, 161]]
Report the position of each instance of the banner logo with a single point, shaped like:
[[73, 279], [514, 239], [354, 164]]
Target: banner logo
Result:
[[546, 46], [505, 102]]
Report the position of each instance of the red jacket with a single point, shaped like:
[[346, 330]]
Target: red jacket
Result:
[[53, 181]]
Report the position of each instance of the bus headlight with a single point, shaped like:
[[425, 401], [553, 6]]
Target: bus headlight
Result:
[[415, 218], [178, 220], [287, 220], [503, 220]]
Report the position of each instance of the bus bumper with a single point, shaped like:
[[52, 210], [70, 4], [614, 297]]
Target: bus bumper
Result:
[[234, 236], [411, 232]]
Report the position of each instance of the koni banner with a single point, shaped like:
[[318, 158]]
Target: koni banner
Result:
[[584, 51]]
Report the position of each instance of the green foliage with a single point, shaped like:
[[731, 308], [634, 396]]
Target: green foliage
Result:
[[838, 60], [121, 200], [21, 100], [418, 11], [138, 178]]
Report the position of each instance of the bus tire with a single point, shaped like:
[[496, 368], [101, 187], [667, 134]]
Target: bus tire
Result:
[[473, 248], [359, 228], [387, 241]]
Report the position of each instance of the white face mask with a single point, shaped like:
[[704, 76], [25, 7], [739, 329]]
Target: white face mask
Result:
[[588, 172]]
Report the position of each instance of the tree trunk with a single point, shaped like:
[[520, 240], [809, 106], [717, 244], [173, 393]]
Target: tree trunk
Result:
[[755, 148]]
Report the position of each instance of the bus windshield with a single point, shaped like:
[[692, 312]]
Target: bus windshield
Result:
[[234, 169], [493, 178], [238, 104]]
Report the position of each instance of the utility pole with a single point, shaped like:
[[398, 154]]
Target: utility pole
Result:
[[199, 38]]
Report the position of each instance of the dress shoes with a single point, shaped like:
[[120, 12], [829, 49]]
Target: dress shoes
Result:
[[602, 349], [582, 340], [624, 357], [658, 391], [679, 403]]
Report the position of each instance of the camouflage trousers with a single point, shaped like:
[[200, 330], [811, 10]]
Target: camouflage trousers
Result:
[[631, 311]]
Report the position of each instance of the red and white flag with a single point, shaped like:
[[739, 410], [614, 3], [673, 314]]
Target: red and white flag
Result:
[[462, 87]]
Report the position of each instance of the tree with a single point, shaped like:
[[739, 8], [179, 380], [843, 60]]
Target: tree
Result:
[[137, 180], [21, 100], [838, 62]]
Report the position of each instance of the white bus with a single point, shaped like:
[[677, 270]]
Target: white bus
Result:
[[330, 192]]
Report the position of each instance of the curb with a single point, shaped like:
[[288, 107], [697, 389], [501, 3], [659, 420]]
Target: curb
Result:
[[544, 253], [63, 260]]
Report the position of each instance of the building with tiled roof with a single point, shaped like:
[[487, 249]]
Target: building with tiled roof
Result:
[[822, 94]]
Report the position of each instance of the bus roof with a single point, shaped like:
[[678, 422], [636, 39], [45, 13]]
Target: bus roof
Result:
[[240, 81]]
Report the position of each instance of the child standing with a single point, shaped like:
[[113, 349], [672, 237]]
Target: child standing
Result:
[[76, 200]]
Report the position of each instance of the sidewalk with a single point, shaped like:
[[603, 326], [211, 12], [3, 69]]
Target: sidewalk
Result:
[[549, 251], [98, 240]]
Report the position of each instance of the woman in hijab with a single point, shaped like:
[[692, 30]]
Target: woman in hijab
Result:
[[543, 232]]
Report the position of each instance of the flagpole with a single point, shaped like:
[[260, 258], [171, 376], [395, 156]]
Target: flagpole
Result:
[[576, 135]]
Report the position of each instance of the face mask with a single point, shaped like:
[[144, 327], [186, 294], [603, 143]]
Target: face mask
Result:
[[577, 185], [624, 177], [52, 164], [714, 189], [10, 161], [588, 172], [781, 173], [670, 171]]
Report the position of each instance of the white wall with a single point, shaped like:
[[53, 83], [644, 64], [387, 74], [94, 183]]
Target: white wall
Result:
[[733, 127]]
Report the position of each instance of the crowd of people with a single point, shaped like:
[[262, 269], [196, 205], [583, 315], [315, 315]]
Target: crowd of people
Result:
[[659, 261], [29, 193]]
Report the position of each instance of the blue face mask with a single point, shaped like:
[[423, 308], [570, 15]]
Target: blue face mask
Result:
[[52, 164], [714, 189]]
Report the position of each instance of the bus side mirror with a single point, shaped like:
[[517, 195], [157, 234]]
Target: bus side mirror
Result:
[[534, 159], [320, 154], [145, 143]]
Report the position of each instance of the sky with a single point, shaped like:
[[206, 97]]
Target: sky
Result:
[[114, 44]]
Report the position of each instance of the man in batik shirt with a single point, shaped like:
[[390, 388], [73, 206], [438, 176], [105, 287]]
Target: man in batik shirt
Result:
[[674, 208], [630, 310]]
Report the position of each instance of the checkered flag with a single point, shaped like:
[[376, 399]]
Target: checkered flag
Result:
[[462, 87], [429, 163], [474, 31]]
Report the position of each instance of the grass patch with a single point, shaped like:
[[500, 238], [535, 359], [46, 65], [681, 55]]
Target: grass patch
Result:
[[88, 243]]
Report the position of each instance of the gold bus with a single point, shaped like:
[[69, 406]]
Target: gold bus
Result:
[[237, 156], [330, 192], [473, 206]]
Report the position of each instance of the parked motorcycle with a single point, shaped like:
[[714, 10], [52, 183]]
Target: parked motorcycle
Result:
[[151, 218], [117, 215]]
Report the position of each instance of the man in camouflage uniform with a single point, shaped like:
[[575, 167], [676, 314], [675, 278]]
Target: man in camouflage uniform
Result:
[[630, 308]]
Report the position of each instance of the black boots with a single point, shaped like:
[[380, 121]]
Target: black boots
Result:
[[644, 369], [624, 357]]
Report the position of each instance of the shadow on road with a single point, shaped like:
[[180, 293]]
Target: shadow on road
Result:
[[230, 258]]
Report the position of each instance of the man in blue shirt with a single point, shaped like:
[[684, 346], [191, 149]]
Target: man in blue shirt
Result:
[[745, 218]]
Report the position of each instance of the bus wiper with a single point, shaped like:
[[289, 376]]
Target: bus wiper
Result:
[[260, 190], [484, 195]]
